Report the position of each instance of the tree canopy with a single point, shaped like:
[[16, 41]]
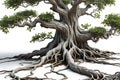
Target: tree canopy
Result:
[[27, 15]]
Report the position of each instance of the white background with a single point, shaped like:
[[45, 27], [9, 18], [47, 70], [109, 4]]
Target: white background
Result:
[[17, 41]]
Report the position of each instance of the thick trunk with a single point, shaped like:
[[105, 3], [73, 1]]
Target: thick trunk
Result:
[[43, 51], [69, 44], [67, 48]]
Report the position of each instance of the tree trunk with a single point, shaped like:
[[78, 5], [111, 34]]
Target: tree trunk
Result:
[[42, 52], [68, 45]]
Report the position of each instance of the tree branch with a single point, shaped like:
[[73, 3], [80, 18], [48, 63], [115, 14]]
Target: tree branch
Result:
[[75, 5], [108, 33], [52, 24], [111, 31], [83, 11], [31, 24], [57, 8], [62, 5], [84, 36]]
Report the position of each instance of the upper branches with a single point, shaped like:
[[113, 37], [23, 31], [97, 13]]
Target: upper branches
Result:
[[97, 32], [95, 5], [59, 7], [70, 15], [75, 7], [22, 19], [113, 21], [63, 4], [14, 4], [8, 21], [100, 4]]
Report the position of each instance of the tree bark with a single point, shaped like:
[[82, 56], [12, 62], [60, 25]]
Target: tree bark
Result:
[[69, 44]]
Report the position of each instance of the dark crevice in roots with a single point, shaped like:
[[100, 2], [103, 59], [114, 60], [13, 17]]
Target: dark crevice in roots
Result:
[[65, 53], [30, 78], [42, 52]]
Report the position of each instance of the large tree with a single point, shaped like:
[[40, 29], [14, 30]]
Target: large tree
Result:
[[70, 42]]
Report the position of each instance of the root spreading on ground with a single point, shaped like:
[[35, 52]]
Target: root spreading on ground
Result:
[[67, 53]]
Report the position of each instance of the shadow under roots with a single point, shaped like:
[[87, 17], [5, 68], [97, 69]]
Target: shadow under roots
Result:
[[67, 53], [42, 52], [30, 78]]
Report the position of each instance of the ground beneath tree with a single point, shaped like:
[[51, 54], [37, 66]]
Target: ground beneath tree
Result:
[[39, 73]]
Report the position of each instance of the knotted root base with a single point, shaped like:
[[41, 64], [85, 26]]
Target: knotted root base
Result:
[[68, 53]]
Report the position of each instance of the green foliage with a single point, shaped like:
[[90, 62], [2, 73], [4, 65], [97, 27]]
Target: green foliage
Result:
[[85, 26], [4, 21], [8, 21], [118, 31], [32, 2], [66, 1], [97, 31], [41, 36], [100, 3], [14, 4], [26, 14], [97, 15], [112, 20], [4, 29], [30, 28], [48, 16]]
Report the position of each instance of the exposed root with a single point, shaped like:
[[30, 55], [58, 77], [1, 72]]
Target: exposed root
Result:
[[32, 67], [8, 61], [6, 58], [67, 53], [79, 69], [5, 71], [43, 51], [30, 78], [57, 72], [28, 56], [101, 62]]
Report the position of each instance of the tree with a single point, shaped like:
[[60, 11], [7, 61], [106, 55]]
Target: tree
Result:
[[70, 42]]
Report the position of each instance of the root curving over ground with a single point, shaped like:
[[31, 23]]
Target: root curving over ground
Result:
[[67, 53]]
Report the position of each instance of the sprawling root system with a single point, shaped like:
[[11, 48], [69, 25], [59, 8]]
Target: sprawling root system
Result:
[[67, 53]]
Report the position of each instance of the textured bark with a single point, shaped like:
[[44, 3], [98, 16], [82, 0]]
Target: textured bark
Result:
[[79, 69], [69, 44], [67, 48], [42, 52]]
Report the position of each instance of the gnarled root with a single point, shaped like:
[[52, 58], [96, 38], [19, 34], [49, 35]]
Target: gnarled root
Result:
[[68, 53], [57, 72], [79, 69], [30, 78], [42, 51]]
